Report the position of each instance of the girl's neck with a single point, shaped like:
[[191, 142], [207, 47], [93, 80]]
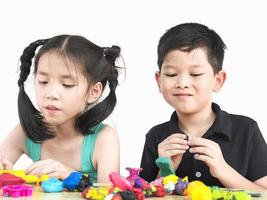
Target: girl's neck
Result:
[[65, 131], [197, 124]]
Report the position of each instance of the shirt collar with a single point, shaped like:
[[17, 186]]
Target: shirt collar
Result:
[[222, 124]]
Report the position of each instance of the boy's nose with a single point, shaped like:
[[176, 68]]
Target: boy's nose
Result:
[[182, 82]]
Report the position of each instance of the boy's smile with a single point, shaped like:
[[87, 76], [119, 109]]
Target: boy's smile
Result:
[[187, 80]]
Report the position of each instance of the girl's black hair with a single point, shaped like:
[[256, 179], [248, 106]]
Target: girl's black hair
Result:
[[99, 66]]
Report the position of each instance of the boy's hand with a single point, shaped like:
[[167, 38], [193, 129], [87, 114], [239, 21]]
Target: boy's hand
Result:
[[173, 147], [210, 153], [5, 163], [50, 167]]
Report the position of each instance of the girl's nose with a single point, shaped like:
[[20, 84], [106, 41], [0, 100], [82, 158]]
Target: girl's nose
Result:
[[52, 92]]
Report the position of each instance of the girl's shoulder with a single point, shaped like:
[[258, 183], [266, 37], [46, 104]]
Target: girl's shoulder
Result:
[[107, 132], [15, 139]]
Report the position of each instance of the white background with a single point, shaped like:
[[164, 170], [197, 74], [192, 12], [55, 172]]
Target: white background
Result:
[[136, 27]]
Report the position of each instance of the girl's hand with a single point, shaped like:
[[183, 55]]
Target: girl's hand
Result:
[[5, 164], [173, 147], [50, 167], [210, 153]]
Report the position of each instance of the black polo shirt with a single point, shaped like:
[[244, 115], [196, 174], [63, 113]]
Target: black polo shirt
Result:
[[240, 139]]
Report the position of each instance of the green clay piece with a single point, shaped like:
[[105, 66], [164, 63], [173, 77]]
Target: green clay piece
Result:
[[164, 166], [222, 194]]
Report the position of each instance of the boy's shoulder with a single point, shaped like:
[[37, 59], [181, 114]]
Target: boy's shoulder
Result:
[[225, 118], [241, 120], [237, 125], [159, 127], [241, 117], [160, 131]]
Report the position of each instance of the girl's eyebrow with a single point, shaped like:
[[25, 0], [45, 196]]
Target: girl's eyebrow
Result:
[[65, 76]]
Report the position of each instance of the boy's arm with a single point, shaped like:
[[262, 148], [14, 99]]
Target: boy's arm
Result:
[[12, 146], [150, 170], [232, 179], [262, 182], [210, 153], [257, 168]]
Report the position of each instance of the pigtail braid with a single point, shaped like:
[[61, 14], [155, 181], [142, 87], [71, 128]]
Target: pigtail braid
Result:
[[102, 110], [30, 118]]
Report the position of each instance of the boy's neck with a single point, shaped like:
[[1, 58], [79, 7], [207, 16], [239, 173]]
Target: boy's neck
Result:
[[197, 124]]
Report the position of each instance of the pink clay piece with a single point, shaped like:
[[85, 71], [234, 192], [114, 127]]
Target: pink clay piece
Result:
[[17, 190]]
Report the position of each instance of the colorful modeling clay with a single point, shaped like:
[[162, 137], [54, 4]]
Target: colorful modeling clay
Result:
[[197, 190], [164, 166], [17, 190], [181, 186], [134, 174], [10, 179], [72, 181], [229, 194], [119, 181], [96, 193], [27, 178], [52, 185]]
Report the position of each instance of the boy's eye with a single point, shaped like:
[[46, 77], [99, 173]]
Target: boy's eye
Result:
[[196, 74], [170, 74]]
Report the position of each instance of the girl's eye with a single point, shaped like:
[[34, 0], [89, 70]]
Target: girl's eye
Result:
[[196, 74], [42, 82], [68, 85]]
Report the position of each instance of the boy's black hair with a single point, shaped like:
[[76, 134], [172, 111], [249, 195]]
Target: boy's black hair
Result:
[[189, 36], [99, 66]]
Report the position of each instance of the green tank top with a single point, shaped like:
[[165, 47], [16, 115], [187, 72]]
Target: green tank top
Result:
[[34, 151]]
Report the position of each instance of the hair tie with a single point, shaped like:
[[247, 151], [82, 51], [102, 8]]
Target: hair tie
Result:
[[105, 51]]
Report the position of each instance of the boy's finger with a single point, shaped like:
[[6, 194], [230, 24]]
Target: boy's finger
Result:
[[178, 135]]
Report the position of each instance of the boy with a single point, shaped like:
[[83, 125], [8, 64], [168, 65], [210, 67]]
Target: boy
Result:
[[222, 149]]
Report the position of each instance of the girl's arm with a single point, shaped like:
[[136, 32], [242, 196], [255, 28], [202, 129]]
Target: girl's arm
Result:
[[106, 156], [13, 146]]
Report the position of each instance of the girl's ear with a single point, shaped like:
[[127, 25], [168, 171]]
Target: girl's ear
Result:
[[157, 76], [220, 78], [94, 92]]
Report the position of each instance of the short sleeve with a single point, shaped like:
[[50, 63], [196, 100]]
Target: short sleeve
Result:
[[257, 166], [150, 170]]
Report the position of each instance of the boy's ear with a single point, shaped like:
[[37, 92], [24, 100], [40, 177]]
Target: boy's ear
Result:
[[157, 76], [94, 92], [220, 78]]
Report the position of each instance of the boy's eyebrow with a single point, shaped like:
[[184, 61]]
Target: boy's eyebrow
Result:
[[196, 66], [67, 76], [167, 66]]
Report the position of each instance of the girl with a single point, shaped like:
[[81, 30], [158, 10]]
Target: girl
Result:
[[66, 134]]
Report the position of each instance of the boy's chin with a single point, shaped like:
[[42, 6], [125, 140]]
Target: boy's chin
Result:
[[185, 111]]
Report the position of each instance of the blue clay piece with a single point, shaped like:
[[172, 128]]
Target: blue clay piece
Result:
[[52, 185], [72, 181]]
